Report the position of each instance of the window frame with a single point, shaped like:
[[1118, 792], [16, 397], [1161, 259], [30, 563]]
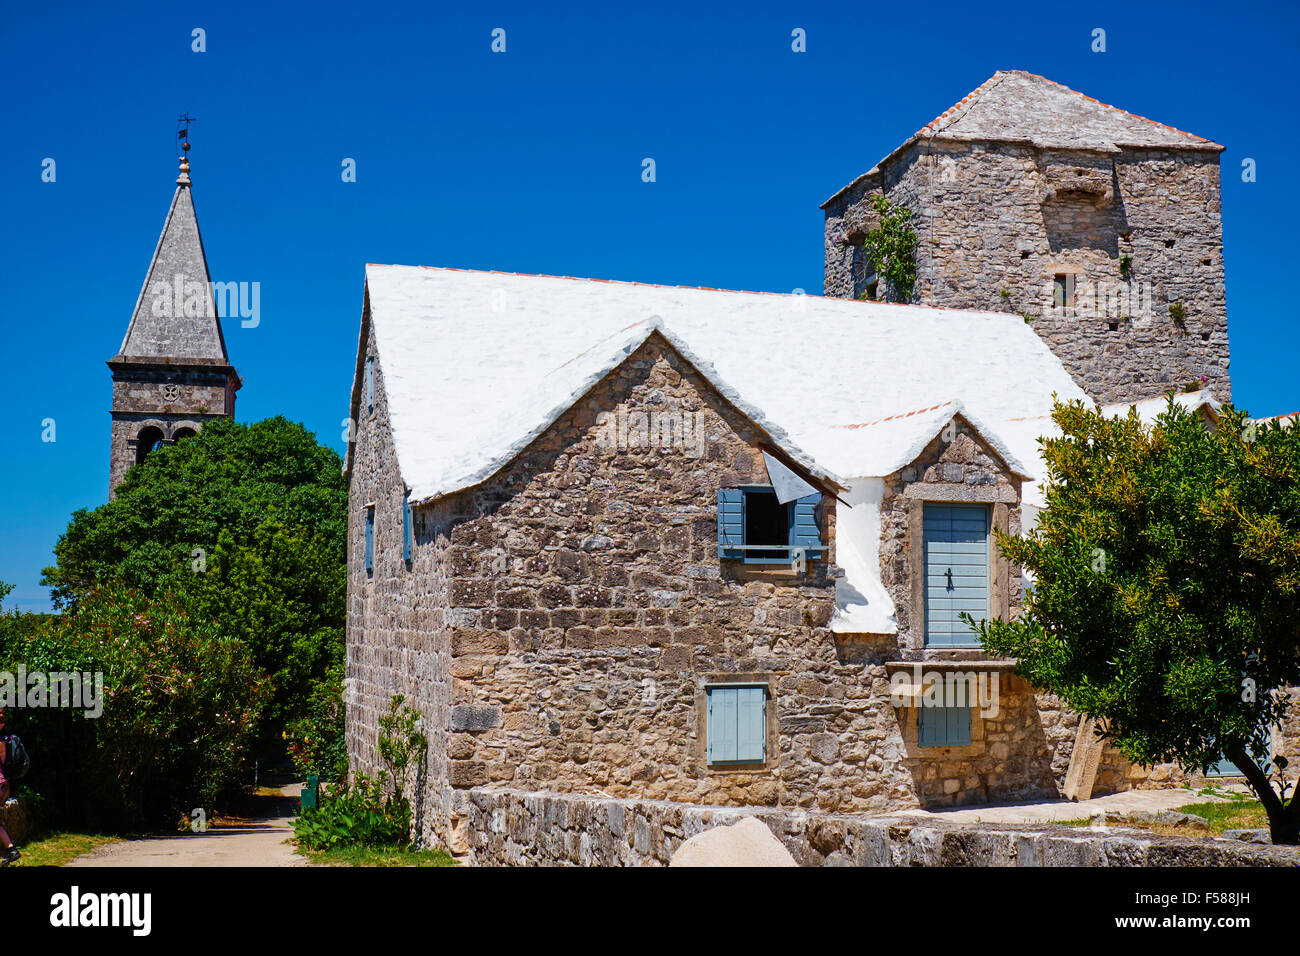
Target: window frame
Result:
[[745, 548], [1068, 292], [764, 722]]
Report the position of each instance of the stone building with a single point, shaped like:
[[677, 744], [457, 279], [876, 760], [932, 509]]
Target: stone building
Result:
[[607, 545], [172, 372], [1101, 227], [694, 546]]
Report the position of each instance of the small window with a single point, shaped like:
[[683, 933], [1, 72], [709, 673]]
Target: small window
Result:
[[1063, 291], [370, 540], [370, 383], [758, 529], [737, 724], [408, 532], [946, 725]]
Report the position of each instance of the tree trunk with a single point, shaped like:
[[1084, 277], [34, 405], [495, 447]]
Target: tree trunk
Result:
[[1283, 818]]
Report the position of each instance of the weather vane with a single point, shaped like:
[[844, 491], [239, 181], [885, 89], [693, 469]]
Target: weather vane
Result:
[[183, 130]]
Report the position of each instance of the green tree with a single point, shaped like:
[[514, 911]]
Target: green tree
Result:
[[248, 524], [174, 721], [891, 248], [1166, 571]]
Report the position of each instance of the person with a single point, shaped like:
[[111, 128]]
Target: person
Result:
[[10, 852]]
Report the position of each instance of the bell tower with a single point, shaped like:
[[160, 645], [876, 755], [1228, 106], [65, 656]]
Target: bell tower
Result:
[[172, 372]]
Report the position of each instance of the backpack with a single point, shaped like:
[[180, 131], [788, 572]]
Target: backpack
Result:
[[17, 761]]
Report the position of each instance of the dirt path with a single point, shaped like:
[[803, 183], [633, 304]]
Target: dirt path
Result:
[[257, 841]]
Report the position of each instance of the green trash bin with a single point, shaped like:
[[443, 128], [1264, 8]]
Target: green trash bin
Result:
[[310, 794]]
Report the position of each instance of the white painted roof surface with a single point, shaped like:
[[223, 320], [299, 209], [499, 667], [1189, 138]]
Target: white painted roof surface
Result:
[[476, 364]]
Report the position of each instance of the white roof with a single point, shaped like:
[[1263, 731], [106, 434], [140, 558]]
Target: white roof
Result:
[[477, 364]]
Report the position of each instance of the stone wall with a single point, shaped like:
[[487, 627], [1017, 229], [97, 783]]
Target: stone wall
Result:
[[504, 827], [141, 398], [397, 618], [590, 608], [996, 221]]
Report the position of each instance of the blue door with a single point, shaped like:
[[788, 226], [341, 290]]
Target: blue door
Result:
[[956, 544]]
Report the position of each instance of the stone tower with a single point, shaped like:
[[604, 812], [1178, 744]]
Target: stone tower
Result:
[[1100, 227], [172, 373]]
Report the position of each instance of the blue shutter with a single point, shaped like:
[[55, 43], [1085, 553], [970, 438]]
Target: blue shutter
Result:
[[722, 725], [751, 724], [944, 726], [804, 532], [956, 568], [370, 541], [370, 384], [737, 725], [408, 533], [731, 522]]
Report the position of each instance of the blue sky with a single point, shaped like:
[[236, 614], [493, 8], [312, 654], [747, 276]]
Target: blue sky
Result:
[[529, 161]]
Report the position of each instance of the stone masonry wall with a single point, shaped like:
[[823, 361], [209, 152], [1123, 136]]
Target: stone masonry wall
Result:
[[507, 827], [996, 221], [397, 631], [140, 400], [590, 608]]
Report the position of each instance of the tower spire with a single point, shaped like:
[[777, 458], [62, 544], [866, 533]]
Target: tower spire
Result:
[[172, 373]]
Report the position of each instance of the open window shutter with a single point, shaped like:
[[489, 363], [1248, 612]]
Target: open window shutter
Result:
[[751, 725], [804, 532], [370, 540], [408, 533], [722, 724], [731, 522]]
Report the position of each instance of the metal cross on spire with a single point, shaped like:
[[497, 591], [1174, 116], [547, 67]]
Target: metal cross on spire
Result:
[[183, 134]]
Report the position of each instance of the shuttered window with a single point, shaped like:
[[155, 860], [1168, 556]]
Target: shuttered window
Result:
[[370, 384], [943, 726], [956, 544], [370, 540], [737, 724], [756, 528], [408, 532]]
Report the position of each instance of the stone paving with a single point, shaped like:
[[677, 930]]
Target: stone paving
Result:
[[1047, 811]]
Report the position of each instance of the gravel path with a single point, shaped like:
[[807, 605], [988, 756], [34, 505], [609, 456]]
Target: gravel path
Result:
[[255, 842]]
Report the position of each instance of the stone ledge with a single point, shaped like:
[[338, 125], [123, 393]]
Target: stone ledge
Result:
[[499, 826]]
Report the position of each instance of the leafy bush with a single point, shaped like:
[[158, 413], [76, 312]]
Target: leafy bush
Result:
[[179, 705], [361, 814], [368, 813], [316, 742], [891, 248]]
